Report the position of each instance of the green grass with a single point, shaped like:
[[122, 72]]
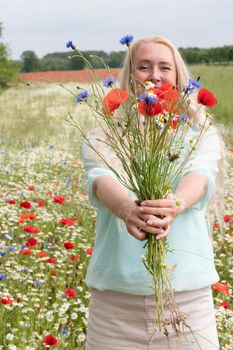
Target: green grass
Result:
[[219, 80]]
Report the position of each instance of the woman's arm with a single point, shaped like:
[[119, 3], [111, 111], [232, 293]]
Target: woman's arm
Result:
[[191, 188]]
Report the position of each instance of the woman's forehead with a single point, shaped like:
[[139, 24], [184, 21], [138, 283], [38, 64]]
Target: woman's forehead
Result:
[[151, 51]]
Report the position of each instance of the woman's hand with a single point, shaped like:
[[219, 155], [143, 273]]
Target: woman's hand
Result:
[[161, 213], [140, 220]]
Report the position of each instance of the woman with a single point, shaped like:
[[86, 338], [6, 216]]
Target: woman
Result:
[[122, 314]]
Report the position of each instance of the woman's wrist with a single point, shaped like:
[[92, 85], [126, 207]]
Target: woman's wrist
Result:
[[124, 208]]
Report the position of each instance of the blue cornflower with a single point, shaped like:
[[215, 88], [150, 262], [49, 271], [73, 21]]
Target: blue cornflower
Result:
[[109, 81], [195, 83], [192, 86], [2, 277], [37, 283], [2, 253], [64, 331], [10, 247], [148, 97], [184, 118], [70, 44], [126, 40], [82, 96], [47, 245], [24, 269]]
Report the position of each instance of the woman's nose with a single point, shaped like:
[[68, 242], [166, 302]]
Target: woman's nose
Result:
[[155, 76]]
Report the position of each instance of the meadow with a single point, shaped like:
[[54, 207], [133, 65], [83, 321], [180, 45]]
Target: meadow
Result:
[[47, 225]]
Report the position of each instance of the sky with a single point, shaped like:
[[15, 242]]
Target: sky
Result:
[[44, 26]]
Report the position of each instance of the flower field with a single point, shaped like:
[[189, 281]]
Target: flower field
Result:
[[47, 226], [83, 76]]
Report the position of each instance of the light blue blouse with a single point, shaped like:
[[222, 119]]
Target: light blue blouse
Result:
[[116, 263]]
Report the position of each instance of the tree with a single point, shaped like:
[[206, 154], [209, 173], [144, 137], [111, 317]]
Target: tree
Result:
[[30, 61], [115, 59], [8, 70]]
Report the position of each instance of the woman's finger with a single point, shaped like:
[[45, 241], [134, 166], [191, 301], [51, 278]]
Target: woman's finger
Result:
[[156, 211], [158, 222], [137, 233], [158, 203], [163, 235]]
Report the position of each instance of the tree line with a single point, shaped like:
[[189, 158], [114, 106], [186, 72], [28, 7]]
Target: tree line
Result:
[[8, 69], [63, 61]]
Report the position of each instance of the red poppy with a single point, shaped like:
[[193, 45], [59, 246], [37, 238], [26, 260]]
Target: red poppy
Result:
[[51, 260], [41, 203], [41, 254], [216, 225], [221, 287], [68, 245], [26, 204], [31, 216], [26, 216], [206, 98], [67, 222], [53, 273], [227, 218], [174, 123], [31, 229], [31, 242], [89, 251], [166, 94], [224, 304], [74, 257], [50, 340], [113, 100], [25, 251], [31, 188], [11, 201], [6, 299], [59, 199], [149, 109], [70, 293]]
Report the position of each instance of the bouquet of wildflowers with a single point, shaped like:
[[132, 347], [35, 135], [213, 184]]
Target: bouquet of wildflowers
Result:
[[146, 133]]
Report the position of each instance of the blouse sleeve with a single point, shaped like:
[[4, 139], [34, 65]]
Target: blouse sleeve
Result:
[[93, 168], [205, 161]]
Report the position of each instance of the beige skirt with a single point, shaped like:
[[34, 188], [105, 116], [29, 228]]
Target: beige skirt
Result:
[[120, 321]]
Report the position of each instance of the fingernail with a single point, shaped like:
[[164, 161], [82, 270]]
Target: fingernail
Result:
[[143, 203], [149, 222]]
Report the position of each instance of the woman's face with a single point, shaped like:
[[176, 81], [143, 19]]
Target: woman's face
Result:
[[154, 62]]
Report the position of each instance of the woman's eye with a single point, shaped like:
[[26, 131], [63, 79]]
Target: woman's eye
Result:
[[166, 68], [144, 68]]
